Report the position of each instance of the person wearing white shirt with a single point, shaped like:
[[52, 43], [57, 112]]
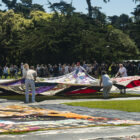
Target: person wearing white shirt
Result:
[[30, 77], [122, 71], [107, 84], [66, 69]]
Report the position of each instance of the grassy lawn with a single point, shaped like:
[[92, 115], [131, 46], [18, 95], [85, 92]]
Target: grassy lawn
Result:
[[86, 96], [8, 77], [126, 105]]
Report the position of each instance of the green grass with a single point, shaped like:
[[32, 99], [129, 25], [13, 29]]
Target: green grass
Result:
[[8, 77], [126, 105], [40, 98], [86, 96]]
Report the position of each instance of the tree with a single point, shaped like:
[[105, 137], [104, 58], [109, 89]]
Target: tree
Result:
[[136, 0], [114, 21], [124, 21], [121, 22], [11, 28], [98, 15], [90, 7], [24, 6], [10, 4], [136, 13], [134, 28], [65, 36], [62, 7], [123, 47]]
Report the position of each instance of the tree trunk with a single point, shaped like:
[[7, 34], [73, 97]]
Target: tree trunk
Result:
[[89, 8]]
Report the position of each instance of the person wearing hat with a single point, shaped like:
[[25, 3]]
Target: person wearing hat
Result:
[[107, 84]]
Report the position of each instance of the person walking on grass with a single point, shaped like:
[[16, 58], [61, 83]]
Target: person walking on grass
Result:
[[107, 84], [30, 77]]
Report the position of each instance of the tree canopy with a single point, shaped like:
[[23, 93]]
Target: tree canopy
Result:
[[65, 36]]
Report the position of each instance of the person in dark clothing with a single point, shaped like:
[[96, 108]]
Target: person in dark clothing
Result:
[[41, 71], [113, 70], [1, 72], [15, 71], [55, 70]]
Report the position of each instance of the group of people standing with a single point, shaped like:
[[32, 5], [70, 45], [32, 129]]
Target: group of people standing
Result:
[[11, 71], [30, 77], [49, 70], [93, 69], [30, 73]]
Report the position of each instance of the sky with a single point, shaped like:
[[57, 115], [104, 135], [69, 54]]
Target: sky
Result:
[[114, 7]]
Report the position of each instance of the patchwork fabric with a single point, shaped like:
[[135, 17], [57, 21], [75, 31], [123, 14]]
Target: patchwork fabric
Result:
[[127, 82], [25, 119], [56, 85], [73, 83]]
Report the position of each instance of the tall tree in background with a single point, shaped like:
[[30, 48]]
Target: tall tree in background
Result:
[[62, 7], [136, 0], [64, 36], [98, 15], [23, 6], [90, 7], [114, 20], [10, 4], [136, 13], [120, 22], [134, 28]]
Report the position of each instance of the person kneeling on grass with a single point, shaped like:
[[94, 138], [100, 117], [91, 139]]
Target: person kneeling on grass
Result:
[[30, 77], [107, 84]]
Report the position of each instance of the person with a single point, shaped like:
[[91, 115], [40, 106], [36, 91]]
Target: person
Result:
[[5, 71], [55, 70], [95, 69], [122, 71], [113, 70], [30, 77], [11, 71], [107, 84], [66, 69], [139, 68], [21, 68], [84, 65], [78, 69], [15, 71], [1, 72]]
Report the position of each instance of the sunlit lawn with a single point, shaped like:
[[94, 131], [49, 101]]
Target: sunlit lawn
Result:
[[125, 105]]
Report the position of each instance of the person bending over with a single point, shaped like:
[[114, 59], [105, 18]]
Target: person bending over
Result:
[[107, 84]]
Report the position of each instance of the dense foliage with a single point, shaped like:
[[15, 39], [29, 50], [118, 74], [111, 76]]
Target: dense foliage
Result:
[[65, 36]]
